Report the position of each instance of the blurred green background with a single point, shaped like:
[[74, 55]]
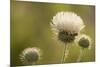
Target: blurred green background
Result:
[[30, 27]]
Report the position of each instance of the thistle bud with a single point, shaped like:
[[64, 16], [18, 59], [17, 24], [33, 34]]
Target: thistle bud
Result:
[[30, 56], [84, 41]]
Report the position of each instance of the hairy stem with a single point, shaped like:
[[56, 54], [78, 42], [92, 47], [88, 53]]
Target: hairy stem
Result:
[[65, 53], [80, 55]]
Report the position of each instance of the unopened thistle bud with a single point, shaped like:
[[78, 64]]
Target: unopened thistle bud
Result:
[[84, 41], [30, 56]]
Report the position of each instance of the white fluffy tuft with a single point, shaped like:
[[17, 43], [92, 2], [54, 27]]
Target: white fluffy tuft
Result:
[[67, 21]]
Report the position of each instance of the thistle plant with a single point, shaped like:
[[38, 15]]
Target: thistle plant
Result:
[[66, 25], [30, 56], [84, 42]]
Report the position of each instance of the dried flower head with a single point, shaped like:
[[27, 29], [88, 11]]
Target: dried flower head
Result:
[[67, 25], [30, 56], [84, 41]]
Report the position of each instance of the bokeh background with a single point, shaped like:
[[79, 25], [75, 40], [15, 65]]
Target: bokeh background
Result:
[[30, 27]]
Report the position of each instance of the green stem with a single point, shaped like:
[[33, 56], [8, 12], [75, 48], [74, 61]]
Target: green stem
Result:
[[66, 51], [80, 55]]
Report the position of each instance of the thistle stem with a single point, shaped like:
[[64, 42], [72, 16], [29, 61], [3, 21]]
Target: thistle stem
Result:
[[80, 55], [66, 51]]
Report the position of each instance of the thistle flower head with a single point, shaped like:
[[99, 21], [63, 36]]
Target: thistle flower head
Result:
[[84, 41], [67, 25], [30, 56]]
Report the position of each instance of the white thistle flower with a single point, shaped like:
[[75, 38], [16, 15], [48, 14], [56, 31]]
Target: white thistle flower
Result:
[[84, 41], [30, 56], [67, 25], [67, 21]]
